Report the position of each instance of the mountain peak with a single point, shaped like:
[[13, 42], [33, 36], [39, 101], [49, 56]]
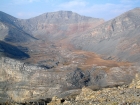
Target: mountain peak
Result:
[[68, 13], [62, 17]]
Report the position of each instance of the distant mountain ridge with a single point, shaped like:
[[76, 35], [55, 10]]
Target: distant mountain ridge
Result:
[[44, 24], [115, 39], [56, 25]]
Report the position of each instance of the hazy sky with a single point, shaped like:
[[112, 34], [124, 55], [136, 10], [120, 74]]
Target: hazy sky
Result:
[[106, 9]]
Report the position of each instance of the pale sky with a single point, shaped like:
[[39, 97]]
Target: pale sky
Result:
[[106, 9]]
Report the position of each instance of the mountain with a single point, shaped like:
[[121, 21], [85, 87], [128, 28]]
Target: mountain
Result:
[[10, 31], [116, 39], [58, 53], [58, 25]]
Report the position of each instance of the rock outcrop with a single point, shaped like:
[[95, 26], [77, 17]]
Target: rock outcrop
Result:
[[23, 82], [136, 82], [106, 96]]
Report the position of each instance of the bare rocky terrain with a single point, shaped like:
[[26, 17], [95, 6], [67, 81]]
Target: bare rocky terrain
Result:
[[115, 39], [59, 53], [121, 95]]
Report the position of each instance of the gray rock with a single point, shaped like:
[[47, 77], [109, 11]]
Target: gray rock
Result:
[[117, 38], [22, 82]]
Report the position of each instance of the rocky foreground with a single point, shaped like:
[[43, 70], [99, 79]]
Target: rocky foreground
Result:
[[108, 96], [121, 95]]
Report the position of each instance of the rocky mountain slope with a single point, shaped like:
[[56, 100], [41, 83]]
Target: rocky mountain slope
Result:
[[58, 25], [116, 39], [23, 82], [9, 30], [52, 25], [107, 96], [55, 53]]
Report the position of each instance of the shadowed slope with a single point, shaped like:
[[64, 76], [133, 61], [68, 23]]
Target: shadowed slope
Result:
[[11, 51]]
